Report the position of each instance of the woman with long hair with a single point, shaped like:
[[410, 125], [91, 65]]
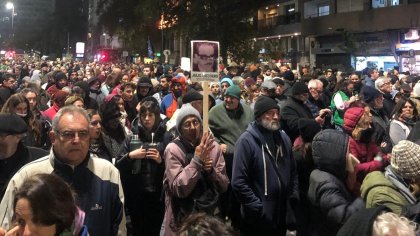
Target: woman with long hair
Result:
[[404, 117], [97, 144], [18, 104]]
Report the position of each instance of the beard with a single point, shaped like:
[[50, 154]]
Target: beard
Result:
[[270, 125]]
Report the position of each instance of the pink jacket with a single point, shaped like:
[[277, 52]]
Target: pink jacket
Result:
[[181, 178]]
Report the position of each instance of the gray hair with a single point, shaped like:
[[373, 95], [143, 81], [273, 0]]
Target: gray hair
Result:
[[313, 83], [68, 110], [237, 80]]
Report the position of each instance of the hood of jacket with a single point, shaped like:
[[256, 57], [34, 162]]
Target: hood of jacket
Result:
[[329, 149], [373, 180]]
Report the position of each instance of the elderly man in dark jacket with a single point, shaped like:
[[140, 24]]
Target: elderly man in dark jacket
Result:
[[264, 173], [13, 153], [328, 193], [295, 109]]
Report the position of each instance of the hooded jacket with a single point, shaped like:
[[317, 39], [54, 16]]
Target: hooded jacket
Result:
[[378, 190], [263, 181], [332, 202]]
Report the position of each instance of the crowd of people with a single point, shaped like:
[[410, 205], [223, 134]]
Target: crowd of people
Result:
[[120, 149]]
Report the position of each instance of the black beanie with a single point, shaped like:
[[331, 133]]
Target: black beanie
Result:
[[308, 128], [299, 88], [191, 96], [264, 104]]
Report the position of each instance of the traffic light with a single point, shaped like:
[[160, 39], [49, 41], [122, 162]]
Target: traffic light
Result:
[[158, 54]]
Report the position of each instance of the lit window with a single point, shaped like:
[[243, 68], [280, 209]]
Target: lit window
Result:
[[323, 10]]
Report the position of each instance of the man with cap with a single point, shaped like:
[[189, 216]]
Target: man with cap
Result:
[[264, 173], [144, 88], [295, 109], [228, 121], [399, 186], [191, 159], [375, 100], [13, 153], [225, 83], [268, 88]]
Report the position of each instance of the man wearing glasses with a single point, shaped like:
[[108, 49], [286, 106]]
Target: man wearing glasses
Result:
[[96, 181], [205, 56]]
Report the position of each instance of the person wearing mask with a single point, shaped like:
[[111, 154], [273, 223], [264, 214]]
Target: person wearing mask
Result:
[[19, 105]]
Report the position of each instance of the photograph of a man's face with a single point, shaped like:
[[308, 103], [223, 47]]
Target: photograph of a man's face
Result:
[[205, 56]]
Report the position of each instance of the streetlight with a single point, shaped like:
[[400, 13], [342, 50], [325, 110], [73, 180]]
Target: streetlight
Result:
[[10, 5]]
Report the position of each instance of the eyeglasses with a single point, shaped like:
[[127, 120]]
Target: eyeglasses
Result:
[[188, 124], [70, 135], [205, 57]]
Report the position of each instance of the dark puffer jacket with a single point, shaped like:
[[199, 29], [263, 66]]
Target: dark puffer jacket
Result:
[[331, 201]]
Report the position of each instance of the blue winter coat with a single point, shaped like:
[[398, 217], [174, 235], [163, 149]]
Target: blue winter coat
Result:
[[263, 191]]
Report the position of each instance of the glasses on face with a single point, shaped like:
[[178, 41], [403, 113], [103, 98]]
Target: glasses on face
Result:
[[70, 135], [205, 57], [194, 123]]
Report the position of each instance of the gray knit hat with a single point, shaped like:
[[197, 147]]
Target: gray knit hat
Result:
[[186, 110], [405, 160]]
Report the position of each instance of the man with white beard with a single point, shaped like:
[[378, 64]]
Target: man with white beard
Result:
[[264, 173]]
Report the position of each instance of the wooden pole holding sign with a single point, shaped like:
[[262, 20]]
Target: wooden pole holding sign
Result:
[[205, 68], [205, 85]]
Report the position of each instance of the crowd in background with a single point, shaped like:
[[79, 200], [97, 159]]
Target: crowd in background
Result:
[[308, 152]]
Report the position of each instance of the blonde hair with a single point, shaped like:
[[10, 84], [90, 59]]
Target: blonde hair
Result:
[[362, 124], [391, 224]]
